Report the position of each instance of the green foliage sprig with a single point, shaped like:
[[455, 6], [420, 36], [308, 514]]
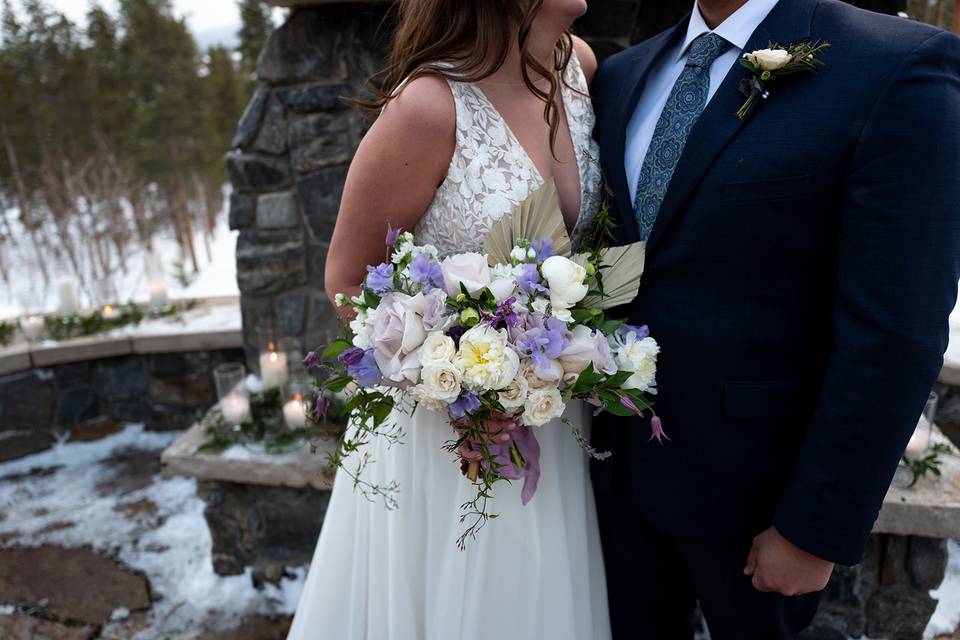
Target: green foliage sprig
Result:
[[928, 464], [131, 314], [7, 331]]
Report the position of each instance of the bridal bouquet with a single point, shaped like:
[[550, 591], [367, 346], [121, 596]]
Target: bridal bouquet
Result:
[[500, 342]]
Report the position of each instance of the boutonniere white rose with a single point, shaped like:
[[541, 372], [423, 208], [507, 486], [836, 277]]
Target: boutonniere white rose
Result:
[[766, 65]]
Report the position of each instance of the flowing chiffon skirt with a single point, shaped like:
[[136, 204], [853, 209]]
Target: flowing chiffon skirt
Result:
[[534, 572]]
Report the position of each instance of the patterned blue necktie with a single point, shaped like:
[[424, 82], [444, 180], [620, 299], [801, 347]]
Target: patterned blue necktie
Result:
[[682, 110]]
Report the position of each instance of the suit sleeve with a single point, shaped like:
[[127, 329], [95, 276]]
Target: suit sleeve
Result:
[[897, 266]]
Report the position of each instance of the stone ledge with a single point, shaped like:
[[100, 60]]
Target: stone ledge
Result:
[[298, 469], [931, 509]]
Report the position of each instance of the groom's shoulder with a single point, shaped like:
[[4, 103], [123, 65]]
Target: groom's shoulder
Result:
[[886, 36]]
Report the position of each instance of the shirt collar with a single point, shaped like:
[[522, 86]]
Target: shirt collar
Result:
[[736, 29]]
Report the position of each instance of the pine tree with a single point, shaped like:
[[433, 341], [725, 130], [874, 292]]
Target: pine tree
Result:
[[256, 24]]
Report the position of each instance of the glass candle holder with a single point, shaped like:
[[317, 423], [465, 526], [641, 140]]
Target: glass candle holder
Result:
[[157, 283], [294, 406], [920, 440], [232, 392], [65, 281], [31, 325], [274, 371], [106, 298]]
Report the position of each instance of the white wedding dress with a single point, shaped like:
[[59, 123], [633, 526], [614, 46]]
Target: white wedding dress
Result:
[[534, 572]]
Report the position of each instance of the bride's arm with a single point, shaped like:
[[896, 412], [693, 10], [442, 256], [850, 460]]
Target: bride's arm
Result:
[[394, 174]]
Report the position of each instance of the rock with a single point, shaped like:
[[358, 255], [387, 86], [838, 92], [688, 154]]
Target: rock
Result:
[[927, 564], [256, 628], [250, 120], [76, 405], [166, 417], [272, 138], [17, 626], [305, 48], [320, 193], [322, 321], [277, 211], [62, 577], [320, 96], [899, 612], [243, 208], [249, 172], [94, 429], [321, 140], [120, 378], [291, 311], [139, 508], [130, 469], [27, 401], [270, 261], [835, 623], [18, 444]]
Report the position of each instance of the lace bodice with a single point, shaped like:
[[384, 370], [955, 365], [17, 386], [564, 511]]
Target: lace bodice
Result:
[[490, 172]]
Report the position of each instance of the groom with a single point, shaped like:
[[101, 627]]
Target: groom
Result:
[[801, 266]]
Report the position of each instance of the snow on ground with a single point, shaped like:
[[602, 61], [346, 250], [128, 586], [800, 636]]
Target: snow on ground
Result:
[[172, 547], [947, 616], [217, 276]]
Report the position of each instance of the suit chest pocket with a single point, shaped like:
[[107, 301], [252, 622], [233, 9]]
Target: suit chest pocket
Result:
[[771, 190]]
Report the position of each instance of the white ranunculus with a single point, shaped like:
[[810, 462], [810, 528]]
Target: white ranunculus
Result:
[[470, 269], [566, 280], [769, 59], [440, 381], [639, 357], [542, 406], [585, 347], [438, 348], [486, 359], [514, 395]]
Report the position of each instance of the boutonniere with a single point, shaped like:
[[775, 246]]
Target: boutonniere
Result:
[[766, 65]]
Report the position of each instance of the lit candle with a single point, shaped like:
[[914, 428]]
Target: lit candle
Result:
[[273, 369], [920, 440], [109, 312], [67, 291], [158, 293], [32, 327], [235, 408], [294, 413]]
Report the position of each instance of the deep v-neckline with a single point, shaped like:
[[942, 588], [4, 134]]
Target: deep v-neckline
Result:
[[514, 140]]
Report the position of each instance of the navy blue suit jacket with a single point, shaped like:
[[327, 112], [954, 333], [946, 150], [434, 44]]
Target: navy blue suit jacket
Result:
[[799, 279]]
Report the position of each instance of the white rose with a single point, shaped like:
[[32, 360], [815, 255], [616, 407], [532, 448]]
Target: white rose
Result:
[[769, 59], [585, 347], [514, 395], [542, 406], [396, 331], [438, 348], [486, 359], [440, 381], [565, 279], [536, 382], [639, 357], [470, 269]]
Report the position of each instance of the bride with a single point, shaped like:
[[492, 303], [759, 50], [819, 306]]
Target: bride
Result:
[[484, 101]]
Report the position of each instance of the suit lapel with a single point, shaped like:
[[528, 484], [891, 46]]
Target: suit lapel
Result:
[[789, 22], [630, 91]]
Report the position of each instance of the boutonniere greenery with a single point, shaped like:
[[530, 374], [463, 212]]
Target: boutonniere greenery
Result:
[[766, 65]]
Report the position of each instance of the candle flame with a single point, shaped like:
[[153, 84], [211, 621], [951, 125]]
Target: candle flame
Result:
[[108, 309], [273, 356], [298, 397]]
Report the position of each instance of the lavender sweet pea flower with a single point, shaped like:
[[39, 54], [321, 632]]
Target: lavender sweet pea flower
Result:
[[641, 332], [312, 360], [529, 280], [351, 356], [426, 272], [365, 373], [392, 234], [464, 405], [543, 249], [544, 341], [380, 278]]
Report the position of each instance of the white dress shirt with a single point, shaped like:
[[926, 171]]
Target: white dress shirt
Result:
[[736, 30]]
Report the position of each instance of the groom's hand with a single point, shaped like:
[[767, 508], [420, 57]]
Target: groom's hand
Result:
[[778, 565]]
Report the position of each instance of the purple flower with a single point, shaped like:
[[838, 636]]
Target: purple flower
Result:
[[629, 404], [380, 278], [529, 280], [365, 372], [321, 406], [544, 249], [657, 426], [312, 360], [525, 439], [456, 332], [544, 341], [426, 272], [641, 332], [351, 356], [392, 234], [464, 405], [504, 314]]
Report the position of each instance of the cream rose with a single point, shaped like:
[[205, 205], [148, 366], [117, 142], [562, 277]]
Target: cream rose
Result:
[[536, 382], [440, 381], [485, 359], [769, 59], [437, 348], [542, 406], [565, 279], [514, 395], [469, 269]]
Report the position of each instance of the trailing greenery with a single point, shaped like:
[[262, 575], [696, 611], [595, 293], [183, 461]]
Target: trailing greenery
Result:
[[66, 327], [928, 464], [7, 331]]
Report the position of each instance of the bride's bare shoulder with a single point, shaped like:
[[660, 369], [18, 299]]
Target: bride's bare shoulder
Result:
[[423, 104], [587, 58]]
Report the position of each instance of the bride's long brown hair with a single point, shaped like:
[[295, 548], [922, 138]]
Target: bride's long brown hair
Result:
[[471, 38]]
